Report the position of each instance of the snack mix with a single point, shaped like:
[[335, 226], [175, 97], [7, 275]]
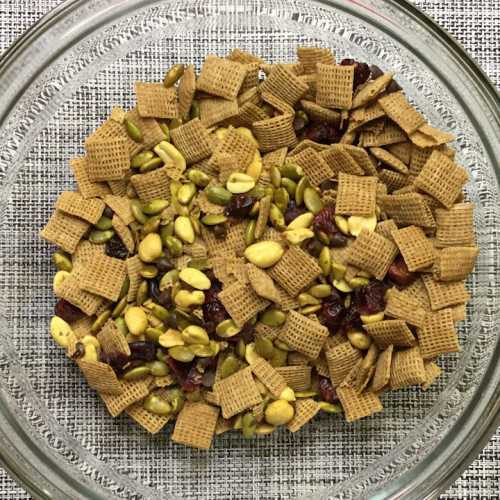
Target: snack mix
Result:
[[245, 252]]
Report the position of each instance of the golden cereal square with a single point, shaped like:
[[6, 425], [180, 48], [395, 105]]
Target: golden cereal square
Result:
[[356, 195], [221, 77], [334, 86]]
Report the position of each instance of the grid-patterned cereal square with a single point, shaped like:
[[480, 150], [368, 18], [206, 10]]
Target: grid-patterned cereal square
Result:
[[100, 376], [318, 113], [186, 91], [305, 409], [418, 292], [356, 195], [133, 391], [268, 376], [438, 335], [195, 425], [407, 368], [455, 263], [221, 77], [237, 393], [383, 369], [393, 180], [388, 159], [385, 228], [372, 253], [403, 307], [414, 246], [339, 160], [310, 56], [357, 405], [371, 90], [124, 233], [74, 204], [216, 110], [341, 360], [104, 276], [261, 282], [390, 134], [298, 378], [402, 112], [151, 186], [391, 332], [87, 188], [240, 148], [151, 422], [407, 209], [284, 84], [112, 340], [155, 100], [107, 159], [280, 106], [445, 293], [334, 86], [122, 207], [152, 134], [303, 334], [295, 270], [314, 165], [442, 178], [455, 226], [432, 372], [64, 230], [401, 150], [193, 141], [275, 133]]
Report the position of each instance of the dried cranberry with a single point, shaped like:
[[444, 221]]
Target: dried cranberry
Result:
[[117, 360], [333, 308], [327, 391], [325, 221], [293, 211], [115, 248], [143, 350], [351, 321], [361, 71], [398, 274], [212, 294], [187, 373], [213, 310], [323, 133], [68, 312], [238, 207], [79, 351], [368, 299]]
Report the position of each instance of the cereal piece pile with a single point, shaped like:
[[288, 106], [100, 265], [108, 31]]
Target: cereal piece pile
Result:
[[244, 253]]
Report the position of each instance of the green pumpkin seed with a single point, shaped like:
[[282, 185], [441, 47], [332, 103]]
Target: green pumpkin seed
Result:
[[173, 276], [104, 224], [100, 321], [213, 220], [151, 165], [177, 404], [175, 123], [258, 191], [181, 353], [306, 394], [175, 290], [269, 192], [174, 245], [338, 272], [254, 211], [272, 317], [156, 405], [158, 368], [155, 207], [300, 114], [151, 225], [200, 264], [160, 312], [347, 301], [229, 367], [291, 171], [173, 75], [302, 185], [131, 192], [264, 347], [139, 159], [228, 328], [198, 177], [180, 209], [97, 236], [281, 199], [194, 111], [153, 334], [275, 177], [166, 131], [186, 193], [122, 304], [165, 231], [182, 321], [278, 358], [276, 218], [312, 201], [308, 300], [133, 131], [175, 392], [63, 262], [289, 185], [282, 345], [250, 232], [320, 291], [120, 323], [248, 425], [142, 293], [310, 309], [161, 355], [342, 224], [240, 348], [358, 282], [139, 215], [325, 261], [268, 109], [322, 237], [202, 351], [329, 408], [218, 195], [174, 188], [149, 272]]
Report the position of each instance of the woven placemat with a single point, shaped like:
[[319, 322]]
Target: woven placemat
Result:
[[476, 25]]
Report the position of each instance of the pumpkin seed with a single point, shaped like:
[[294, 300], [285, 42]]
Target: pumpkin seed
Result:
[[139, 215], [133, 131], [198, 177], [229, 367], [202, 351], [161, 355], [264, 347], [139, 159], [186, 193], [156, 405], [142, 293], [308, 300], [63, 262], [342, 285], [155, 207], [300, 114], [151, 225], [289, 185], [227, 328], [160, 312], [100, 321], [184, 229], [181, 353], [325, 261], [199, 264], [239, 348], [268, 191], [323, 237], [175, 290], [194, 111], [320, 291], [218, 195], [167, 230], [174, 245], [59, 278], [177, 405], [312, 201], [276, 217], [275, 176], [120, 323], [165, 130], [174, 188], [154, 334], [180, 209], [250, 232], [265, 429], [172, 276], [151, 165], [131, 192], [301, 222], [278, 358], [258, 191], [306, 394], [272, 317], [158, 368], [213, 220], [355, 283], [103, 223], [291, 171], [282, 345], [330, 408], [309, 309], [175, 123], [281, 199], [302, 185], [347, 301], [122, 304], [338, 271], [342, 224], [173, 75], [137, 373], [372, 318], [98, 236], [248, 425], [254, 210]]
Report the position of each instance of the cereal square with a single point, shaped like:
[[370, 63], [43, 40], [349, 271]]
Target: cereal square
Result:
[[414, 246], [356, 195], [438, 335], [64, 230], [334, 86], [155, 100], [221, 77]]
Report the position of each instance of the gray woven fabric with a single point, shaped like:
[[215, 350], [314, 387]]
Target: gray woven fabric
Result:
[[476, 24]]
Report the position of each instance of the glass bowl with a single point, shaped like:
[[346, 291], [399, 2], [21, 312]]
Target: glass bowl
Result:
[[57, 84]]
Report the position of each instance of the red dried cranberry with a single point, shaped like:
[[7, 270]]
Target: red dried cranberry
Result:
[[68, 312], [213, 310], [325, 221], [327, 391], [144, 350], [117, 360], [361, 71], [187, 373], [212, 294], [238, 207], [293, 211], [368, 299], [323, 133], [115, 248], [398, 274], [333, 308], [351, 321]]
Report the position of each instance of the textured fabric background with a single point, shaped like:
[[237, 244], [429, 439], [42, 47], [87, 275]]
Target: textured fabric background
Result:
[[476, 25]]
